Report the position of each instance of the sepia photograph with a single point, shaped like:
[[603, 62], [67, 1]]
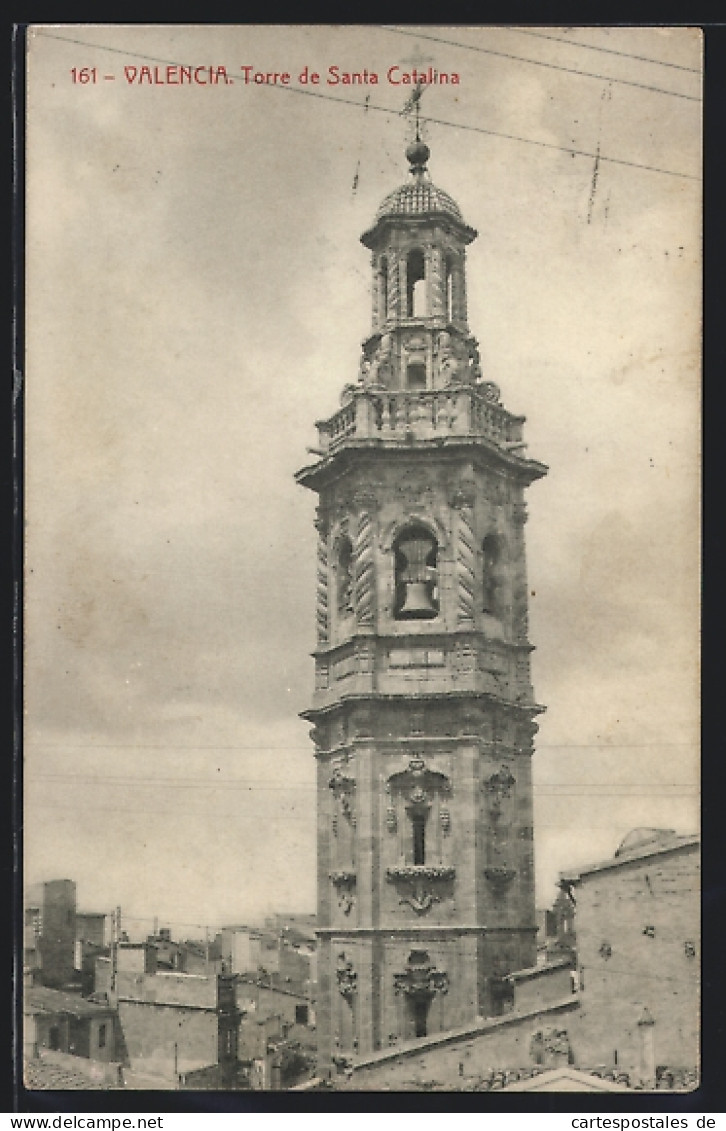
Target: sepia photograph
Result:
[[362, 459]]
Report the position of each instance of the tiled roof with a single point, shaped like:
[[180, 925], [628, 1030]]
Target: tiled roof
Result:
[[635, 847], [42, 999], [417, 197], [43, 1076]]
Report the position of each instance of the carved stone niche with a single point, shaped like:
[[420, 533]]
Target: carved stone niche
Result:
[[421, 978], [418, 790]]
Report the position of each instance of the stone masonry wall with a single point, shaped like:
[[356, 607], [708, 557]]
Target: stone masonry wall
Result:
[[638, 949]]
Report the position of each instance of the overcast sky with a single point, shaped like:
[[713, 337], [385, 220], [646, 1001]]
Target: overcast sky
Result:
[[197, 296]]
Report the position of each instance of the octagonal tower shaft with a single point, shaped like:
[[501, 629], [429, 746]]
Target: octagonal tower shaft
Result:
[[423, 712]]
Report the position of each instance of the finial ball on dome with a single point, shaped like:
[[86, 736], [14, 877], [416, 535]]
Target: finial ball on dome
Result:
[[418, 154]]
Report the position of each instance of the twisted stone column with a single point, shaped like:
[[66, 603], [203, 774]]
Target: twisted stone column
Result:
[[465, 559], [321, 592], [394, 287], [364, 578]]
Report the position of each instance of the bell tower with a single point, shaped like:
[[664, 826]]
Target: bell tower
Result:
[[423, 712]]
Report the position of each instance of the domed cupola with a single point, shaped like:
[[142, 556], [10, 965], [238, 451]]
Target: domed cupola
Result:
[[417, 197]]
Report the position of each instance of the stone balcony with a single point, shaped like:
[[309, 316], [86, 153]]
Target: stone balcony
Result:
[[431, 414]]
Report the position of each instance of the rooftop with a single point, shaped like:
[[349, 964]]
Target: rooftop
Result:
[[43, 1076], [639, 844], [42, 999]]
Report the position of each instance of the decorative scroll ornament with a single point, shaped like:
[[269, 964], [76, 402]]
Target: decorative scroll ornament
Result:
[[498, 787], [346, 978], [420, 883], [418, 782], [420, 899], [500, 878], [420, 978], [421, 872], [342, 786], [490, 391], [344, 882]]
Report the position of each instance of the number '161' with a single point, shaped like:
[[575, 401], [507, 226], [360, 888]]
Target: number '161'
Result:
[[84, 74]]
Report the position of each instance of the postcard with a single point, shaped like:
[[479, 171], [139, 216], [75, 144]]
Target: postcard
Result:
[[362, 462]]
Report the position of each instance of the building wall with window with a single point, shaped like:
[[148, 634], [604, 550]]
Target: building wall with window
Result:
[[468, 1055], [50, 926], [92, 927], [637, 920], [67, 1023], [240, 949], [173, 1024]]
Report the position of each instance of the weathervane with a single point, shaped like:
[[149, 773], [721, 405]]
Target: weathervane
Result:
[[414, 100]]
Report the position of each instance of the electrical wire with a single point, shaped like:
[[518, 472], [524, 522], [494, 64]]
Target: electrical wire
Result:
[[434, 121], [606, 50], [541, 63]]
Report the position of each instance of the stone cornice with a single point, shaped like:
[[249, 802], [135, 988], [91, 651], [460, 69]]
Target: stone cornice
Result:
[[318, 475], [530, 709]]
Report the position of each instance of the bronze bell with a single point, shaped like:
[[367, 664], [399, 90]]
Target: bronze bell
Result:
[[418, 579]]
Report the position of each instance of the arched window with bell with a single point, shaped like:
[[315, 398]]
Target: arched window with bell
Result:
[[416, 565]]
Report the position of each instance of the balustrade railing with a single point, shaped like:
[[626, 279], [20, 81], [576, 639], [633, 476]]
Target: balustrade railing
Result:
[[426, 414]]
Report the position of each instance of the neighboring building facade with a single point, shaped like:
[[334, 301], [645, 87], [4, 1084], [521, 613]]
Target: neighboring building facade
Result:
[[241, 949], [173, 1025], [637, 920], [93, 939], [50, 932], [423, 714], [92, 928], [67, 1023]]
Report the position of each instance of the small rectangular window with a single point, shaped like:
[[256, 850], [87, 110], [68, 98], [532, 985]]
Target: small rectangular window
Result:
[[420, 1016], [419, 839], [102, 1036], [415, 376]]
